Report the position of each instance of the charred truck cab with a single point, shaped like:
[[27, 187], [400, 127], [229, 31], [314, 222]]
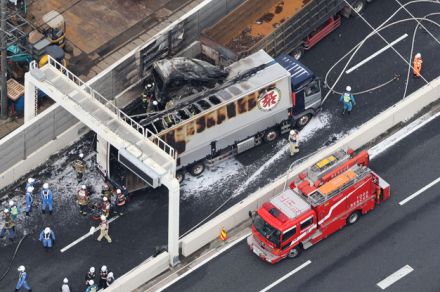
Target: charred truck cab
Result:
[[331, 194]]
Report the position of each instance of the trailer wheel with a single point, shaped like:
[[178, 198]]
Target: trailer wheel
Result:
[[298, 53], [303, 121], [180, 175], [294, 252], [353, 218], [270, 135], [197, 168], [358, 7]]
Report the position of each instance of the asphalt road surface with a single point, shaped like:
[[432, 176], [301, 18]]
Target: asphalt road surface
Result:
[[144, 226], [359, 256]]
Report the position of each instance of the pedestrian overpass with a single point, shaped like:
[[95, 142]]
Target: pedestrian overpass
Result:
[[140, 150]]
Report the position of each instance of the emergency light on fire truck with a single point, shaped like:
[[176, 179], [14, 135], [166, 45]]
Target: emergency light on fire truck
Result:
[[332, 193]]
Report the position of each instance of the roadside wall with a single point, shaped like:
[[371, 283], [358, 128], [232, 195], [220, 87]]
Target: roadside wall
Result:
[[44, 132]]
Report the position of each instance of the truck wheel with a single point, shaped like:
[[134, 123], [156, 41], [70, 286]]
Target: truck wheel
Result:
[[298, 53], [197, 168], [270, 135], [303, 121], [353, 218], [358, 7], [180, 175], [294, 252]]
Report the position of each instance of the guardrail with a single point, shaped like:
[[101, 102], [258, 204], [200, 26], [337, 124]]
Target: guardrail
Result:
[[236, 215], [110, 105]]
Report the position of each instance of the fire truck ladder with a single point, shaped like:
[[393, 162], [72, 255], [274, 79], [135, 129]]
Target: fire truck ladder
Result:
[[140, 150]]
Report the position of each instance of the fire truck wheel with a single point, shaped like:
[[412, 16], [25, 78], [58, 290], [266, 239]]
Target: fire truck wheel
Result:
[[294, 252], [353, 218], [303, 121], [270, 135], [197, 168], [180, 175], [358, 7]]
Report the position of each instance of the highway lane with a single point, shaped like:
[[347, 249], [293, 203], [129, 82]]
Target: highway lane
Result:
[[146, 222], [359, 256]]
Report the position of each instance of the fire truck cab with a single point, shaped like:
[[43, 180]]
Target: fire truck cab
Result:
[[331, 194]]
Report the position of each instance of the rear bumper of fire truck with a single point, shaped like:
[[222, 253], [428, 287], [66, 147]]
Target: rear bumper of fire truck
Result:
[[261, 252]]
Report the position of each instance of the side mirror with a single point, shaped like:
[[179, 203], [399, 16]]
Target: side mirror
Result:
[[252, 214]]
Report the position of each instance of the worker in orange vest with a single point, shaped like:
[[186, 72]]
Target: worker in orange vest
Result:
[[417, 65]]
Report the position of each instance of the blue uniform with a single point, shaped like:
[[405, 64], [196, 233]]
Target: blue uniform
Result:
[[348, 100], [47, 239], [46, 199], [22, 281], [29, 200]]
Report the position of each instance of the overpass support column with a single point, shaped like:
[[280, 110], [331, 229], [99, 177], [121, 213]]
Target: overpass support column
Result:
[[30, 98], [173, 219]]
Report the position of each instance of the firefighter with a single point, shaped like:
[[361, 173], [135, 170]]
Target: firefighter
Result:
[[80, 167], [104, 226], [46, 199], [22, 279], [92, 287], [30, 183], [47, 237], [28, 199], [120, 202], [148, 96], [417, 65], [14, 210], [8, 227], [110, 279], [105, 207], [90, 276], [106, 192], [83, 199], [103, 277], [348, 100], [293, 142], [65, 287]]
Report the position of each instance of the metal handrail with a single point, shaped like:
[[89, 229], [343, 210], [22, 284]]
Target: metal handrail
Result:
[[110, 105]]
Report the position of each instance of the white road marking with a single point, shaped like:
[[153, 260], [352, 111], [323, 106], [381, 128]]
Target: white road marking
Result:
[[376, 54], [85, 236], [403, 202], [401, 134], [396, 276], [286, 276], [192, 269]]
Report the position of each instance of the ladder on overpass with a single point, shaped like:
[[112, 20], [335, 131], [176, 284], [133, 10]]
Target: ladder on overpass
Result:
[[139, 149]]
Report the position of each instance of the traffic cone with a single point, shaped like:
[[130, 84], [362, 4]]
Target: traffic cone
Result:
[[223, 235]]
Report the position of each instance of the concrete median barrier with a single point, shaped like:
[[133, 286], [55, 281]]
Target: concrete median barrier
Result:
[[234, 216], [141, 274]]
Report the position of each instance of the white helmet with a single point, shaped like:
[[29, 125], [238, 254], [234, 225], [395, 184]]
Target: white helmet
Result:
[[21, 269], [155, 102], [45, 186], [91, 282], [30, 189], [103, 218], [92, 269], [83, 187], [104, 268], [46, 230], [6, 211], [118, 191], [65, 281], [105, 199], [31, 180], [110, 275], [106, 187], [418, 55], [11, 203], [348, 88], [81, 155]]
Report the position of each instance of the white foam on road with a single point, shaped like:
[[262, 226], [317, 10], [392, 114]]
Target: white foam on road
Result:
[[286, 276], [394, 277]]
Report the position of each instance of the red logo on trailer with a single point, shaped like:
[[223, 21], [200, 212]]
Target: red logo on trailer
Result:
[[269, 99]]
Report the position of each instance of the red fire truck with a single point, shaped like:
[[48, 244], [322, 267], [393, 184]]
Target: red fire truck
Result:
[[332, 193]]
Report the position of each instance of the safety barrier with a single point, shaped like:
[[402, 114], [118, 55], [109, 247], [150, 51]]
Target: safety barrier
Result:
[[400, 112], [141, 274]]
